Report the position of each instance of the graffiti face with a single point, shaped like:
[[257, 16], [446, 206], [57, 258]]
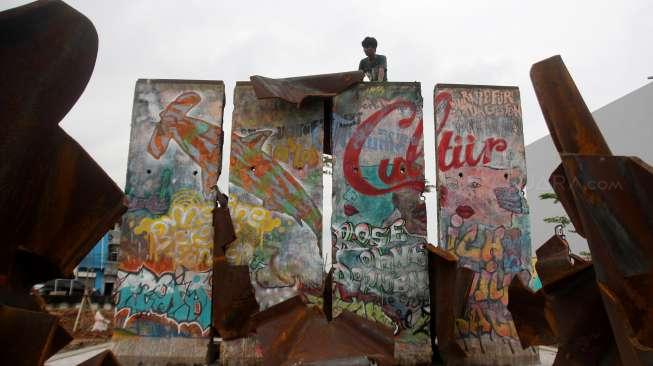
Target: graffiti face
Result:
[[482, 194], [482, 213], [167, 234]]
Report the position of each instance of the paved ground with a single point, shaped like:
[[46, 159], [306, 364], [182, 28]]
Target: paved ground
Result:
[[74, 358], [547, 355]]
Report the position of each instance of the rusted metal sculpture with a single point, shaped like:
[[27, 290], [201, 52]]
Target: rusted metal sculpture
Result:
[[233, 300], [55, 201], [566, 311], [293, 333], [608, 200], [449, 287], [296, 89]]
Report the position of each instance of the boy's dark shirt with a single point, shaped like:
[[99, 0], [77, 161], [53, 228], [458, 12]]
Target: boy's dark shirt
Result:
[[371, 67]]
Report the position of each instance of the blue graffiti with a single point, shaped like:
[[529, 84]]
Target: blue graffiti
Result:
[[182, 298]]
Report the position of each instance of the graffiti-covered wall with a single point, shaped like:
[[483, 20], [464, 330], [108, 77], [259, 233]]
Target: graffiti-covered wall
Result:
[[379, 219], [164, 287], [275, 194], [482, 212]]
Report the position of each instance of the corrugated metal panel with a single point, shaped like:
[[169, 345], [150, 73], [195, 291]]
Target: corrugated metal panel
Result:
[[296, 89]]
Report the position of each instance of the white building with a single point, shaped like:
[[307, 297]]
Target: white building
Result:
[[627, 126]]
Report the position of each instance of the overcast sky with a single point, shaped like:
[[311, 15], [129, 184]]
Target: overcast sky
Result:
[[605, 44]]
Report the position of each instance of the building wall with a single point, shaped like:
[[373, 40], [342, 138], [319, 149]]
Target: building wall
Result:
[[275, 195], [164, 287], [379, 220], [97, 257], [482, 212], [627, 126]]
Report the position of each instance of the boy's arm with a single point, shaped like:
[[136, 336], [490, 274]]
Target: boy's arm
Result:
[[382, 69]]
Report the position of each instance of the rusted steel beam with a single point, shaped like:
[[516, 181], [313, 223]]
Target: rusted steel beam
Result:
[[57, 201], [532, 315], [29, 337], [293, 333], [559, 182], [233, 299], [296, 89], [223, 228], [631, 350], [614, 200], [569, 120], [609, 197], [569, 312], [554, 260], [584, 333], [566, 311], [449, 287], [64, 216]]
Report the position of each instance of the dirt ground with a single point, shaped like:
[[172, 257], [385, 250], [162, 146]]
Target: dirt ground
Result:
[[84, 337]]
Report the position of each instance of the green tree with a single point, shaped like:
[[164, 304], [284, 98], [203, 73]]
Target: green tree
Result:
[[562, 221]]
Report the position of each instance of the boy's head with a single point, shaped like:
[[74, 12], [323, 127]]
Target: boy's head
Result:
[[369, 46]]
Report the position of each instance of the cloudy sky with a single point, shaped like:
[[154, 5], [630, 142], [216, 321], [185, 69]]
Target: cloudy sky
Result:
[[605, 44]]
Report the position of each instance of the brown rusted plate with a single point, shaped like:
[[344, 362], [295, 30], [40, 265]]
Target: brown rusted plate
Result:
[[567, 310], [449, 287], [233, 299], [614, 199], [47, 55], [611, 198], [105, 358], [223, 228], [56, 201], [60, 211], [581, 323], [632, 352], [560, 184], [296, 89], [292, 333], [569, 120], [29, 337], [553, 260], [531, 314], [327, 295]]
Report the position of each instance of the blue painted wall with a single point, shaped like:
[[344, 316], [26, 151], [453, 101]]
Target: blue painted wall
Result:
[[96, 261]]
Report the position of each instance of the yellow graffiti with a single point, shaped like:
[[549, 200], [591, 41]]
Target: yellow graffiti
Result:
[[184, 234], [251, 222], [489, 284], [483, 322], [295, 154]]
